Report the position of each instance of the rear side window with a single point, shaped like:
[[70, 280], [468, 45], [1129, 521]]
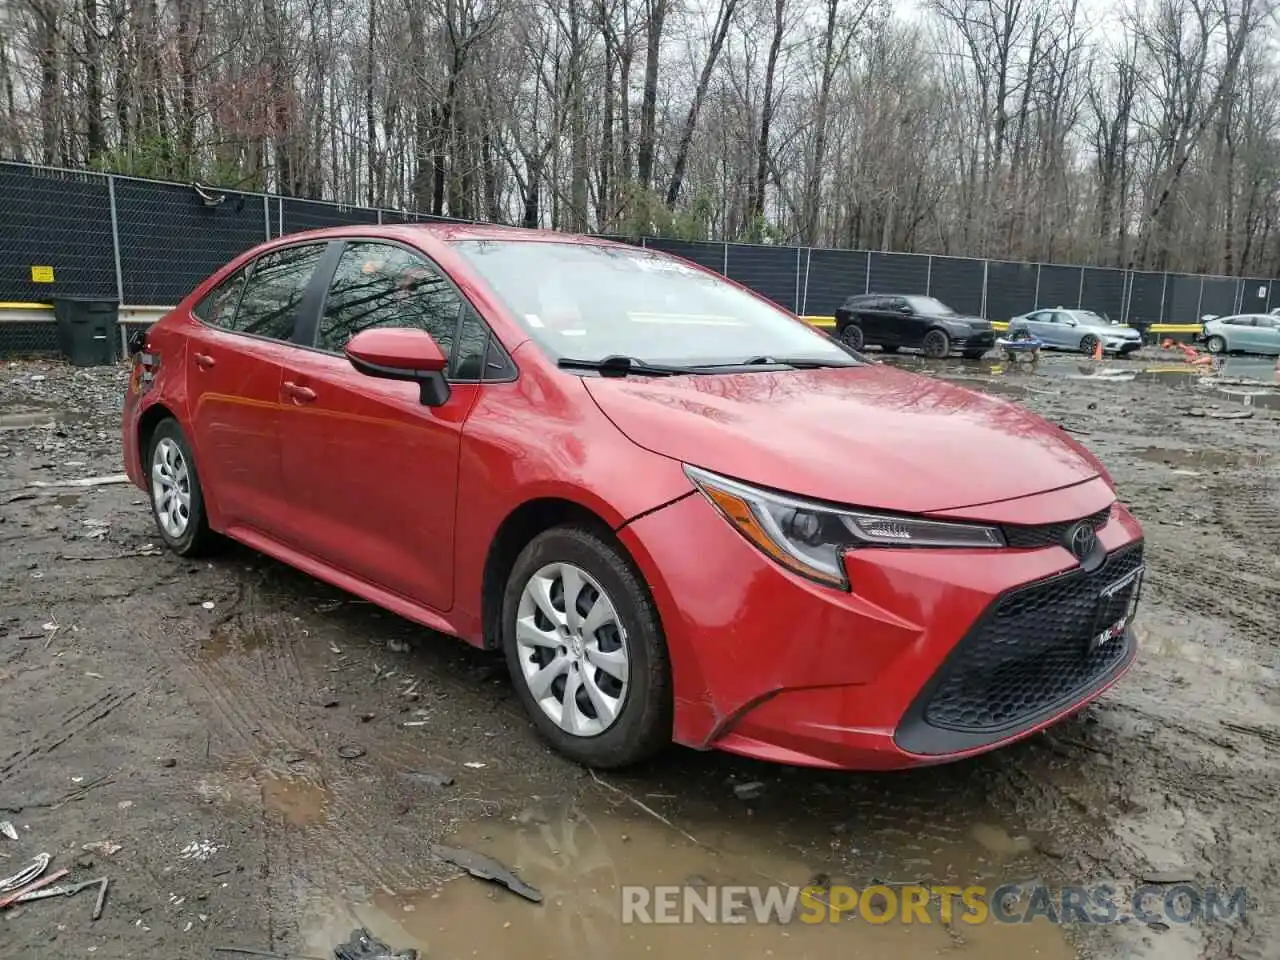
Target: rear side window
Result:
[[382, 285], [219, 305], [273, 293]]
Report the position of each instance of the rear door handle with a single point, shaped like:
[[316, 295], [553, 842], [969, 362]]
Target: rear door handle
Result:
[[299, 393], [204, 361]]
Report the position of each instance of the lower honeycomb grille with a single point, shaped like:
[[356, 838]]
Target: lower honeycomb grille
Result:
[[1035, 650]]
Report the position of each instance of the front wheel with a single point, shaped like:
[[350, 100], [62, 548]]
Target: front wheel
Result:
[[937, 345], [177, 501], [852, 337], [1216, 344], [1089, 344], [585, 649]]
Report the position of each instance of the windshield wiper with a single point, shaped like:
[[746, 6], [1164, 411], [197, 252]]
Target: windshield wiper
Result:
[[797, 363], [620, 366]]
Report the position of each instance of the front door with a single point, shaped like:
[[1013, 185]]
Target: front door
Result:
[[374, 471], [235, 357]]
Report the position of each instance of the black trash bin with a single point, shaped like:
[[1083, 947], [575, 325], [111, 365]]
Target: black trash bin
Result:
[[88, 330]]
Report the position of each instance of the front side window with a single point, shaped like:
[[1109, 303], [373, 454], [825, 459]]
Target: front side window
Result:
[[274, 291], [382, 285], [589, 302]]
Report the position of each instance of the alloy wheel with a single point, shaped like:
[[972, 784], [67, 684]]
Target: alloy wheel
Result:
[[171, 488], [572, 649]]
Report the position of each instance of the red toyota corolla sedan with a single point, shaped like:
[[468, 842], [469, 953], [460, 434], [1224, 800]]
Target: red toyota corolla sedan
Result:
[[681, 512]]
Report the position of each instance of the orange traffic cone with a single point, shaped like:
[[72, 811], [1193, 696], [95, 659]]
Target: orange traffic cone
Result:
[[1097, 351]]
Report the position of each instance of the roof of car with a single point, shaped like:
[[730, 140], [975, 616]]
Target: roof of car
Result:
[[451, 231]]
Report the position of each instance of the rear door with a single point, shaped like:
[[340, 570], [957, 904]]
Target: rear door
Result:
[[374, 471], [235, 356], [1268, 334], [875, 326]]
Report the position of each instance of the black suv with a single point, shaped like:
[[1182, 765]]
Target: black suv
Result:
[[890, 321]]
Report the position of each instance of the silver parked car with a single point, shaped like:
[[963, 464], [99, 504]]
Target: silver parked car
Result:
[[1082, 330], [1243, 333]]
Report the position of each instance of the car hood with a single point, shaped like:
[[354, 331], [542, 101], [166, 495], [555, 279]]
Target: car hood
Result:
[[870, 436]]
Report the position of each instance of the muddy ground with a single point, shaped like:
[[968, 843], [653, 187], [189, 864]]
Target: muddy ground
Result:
[[252, 757]]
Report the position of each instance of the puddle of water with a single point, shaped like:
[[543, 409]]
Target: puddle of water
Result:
[[300, 803], [1202, 459], [581, 862], [228, 639]]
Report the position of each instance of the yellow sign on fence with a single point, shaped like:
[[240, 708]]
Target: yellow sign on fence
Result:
[[41, 274]]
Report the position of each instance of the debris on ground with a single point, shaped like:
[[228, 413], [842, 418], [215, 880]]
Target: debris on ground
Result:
[[83, 482], [474, 764], [351, 751], [486, 868], [44, 881], [748, 791], [428, 777], [8, 830], [24, 876], [69, 890], [103, 848], [365, 946]]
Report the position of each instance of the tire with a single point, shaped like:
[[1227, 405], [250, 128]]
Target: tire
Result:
[[1088, 344], [183, 524], [852, 337], [890, 348], [937, 345], [1216, 344], [642, 705]]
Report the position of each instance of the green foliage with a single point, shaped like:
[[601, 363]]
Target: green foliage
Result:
[[645, 214]]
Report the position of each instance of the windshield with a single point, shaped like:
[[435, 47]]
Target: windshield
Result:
[[930, 306], [588, 302]]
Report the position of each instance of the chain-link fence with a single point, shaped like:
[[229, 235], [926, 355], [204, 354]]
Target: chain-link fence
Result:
[[147, 243]]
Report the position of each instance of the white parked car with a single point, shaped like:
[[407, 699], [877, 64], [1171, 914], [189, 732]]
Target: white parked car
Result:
[[1243, 333], [1080, 330]]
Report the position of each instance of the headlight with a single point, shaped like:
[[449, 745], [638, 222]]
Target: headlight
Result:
[[810, 538]]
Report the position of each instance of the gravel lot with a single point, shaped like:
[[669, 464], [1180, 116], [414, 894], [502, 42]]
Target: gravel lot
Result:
[[255, 759]]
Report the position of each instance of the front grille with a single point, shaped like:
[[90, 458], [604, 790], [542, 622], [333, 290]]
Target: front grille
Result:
[[1045, 534], [1031, 652]]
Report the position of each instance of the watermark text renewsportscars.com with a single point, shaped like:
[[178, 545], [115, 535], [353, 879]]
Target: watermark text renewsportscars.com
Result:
[[1100, 903]]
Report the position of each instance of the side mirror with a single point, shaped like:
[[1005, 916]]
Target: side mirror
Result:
[[401, 354]]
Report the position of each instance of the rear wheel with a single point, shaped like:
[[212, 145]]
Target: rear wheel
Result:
[[1088, 344], [177, 501], [1216, 344], [936, 344], [852, 337], [585, 649]]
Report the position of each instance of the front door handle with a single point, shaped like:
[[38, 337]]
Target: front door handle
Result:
[[299, 393], [204, 361]]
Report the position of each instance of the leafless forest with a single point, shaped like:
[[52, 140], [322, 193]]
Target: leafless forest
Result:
[[1145, 133]]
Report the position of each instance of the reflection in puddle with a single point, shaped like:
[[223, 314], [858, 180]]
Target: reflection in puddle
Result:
[[581, 863]]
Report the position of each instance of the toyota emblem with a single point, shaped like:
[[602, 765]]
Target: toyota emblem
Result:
[[1081, 539]]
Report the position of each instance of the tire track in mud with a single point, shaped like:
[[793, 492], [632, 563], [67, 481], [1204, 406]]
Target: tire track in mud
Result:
[[254, 687], [71, 724]]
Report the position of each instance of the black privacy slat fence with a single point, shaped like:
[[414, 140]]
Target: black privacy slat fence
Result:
[[147, 243]]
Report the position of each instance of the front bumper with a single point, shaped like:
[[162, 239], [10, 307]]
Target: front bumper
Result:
[[1120, 345], [977, 339], [905, 670]]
